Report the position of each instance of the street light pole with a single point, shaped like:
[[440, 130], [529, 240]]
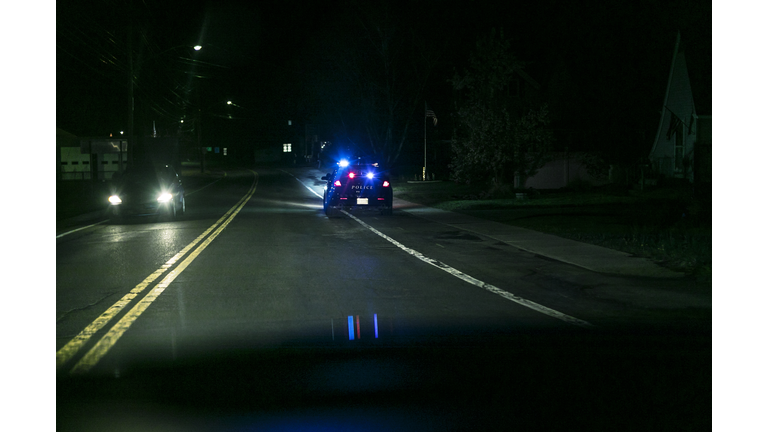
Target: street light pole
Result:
[[200, 130], [424, 171], [131, 156], [203, 148], [200, 140], [130, 150]]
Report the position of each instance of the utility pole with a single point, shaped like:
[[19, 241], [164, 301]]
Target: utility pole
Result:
[[200, 127], [200, 138], [130, 95], [427, 113], [424, 170]]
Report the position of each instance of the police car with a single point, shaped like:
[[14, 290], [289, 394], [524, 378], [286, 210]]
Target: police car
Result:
[[357, 186]]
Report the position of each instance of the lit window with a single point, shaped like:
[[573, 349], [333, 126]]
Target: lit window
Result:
[[287, 148]]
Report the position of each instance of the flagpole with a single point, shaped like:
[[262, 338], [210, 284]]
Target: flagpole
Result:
[[424, 171]]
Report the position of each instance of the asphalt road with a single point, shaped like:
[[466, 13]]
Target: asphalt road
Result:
[[255, 264]]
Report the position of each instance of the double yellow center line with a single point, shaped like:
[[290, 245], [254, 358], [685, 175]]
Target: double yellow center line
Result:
[[68, 351]]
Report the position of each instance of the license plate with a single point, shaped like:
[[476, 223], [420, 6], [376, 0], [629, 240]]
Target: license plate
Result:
[[362, 201]]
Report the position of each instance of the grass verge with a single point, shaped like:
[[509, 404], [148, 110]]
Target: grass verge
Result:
[[667, 226]]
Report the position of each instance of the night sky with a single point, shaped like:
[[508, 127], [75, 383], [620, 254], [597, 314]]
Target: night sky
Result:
[[274, 59], [274, 48]]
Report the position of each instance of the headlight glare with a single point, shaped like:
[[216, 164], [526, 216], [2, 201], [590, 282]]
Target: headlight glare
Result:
[[164, 197], [114, 200]]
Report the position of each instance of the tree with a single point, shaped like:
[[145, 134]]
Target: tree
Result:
[[532, 141], [372, 78], [500, 133]]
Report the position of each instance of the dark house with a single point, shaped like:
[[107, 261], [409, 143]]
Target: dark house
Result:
[[683, 144]]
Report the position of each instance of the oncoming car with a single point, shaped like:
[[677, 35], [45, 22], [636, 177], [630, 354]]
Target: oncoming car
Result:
[[357, 186], [147, 191]]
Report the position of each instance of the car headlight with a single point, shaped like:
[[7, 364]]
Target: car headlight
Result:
[[164, 197], [115, 200]]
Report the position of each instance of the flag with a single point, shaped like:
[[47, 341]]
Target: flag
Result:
[[429, 113]]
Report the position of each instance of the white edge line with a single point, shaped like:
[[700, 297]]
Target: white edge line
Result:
[[101, 222], [147, 300], [81, 228], [65, 353], [467, 278], [463, 276], [302, 183], [199, 189]]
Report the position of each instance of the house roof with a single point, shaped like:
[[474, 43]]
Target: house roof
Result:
[[66, 139]]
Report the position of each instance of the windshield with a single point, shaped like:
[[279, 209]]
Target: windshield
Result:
[[520, 239]]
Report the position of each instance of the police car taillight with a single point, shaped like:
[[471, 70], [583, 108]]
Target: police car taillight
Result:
[[351, 175], [385, 184], [337, 183]]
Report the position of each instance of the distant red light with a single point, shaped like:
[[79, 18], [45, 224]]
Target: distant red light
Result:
[[386, 183], [337, 183], [351, 175]]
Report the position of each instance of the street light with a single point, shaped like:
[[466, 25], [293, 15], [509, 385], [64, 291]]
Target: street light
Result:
[[203, 149], [131, 84]]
